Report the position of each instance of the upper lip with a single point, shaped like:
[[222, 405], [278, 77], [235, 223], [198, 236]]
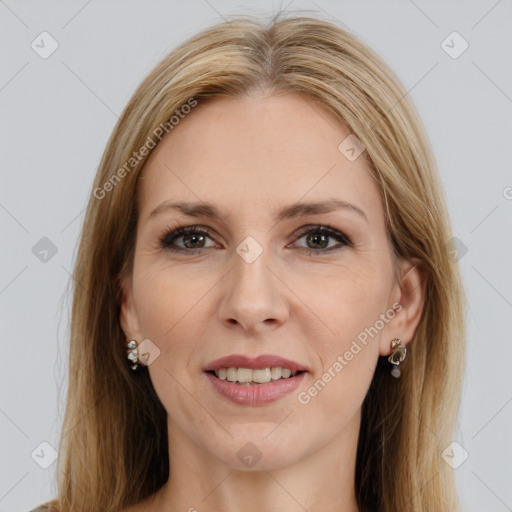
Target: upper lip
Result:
[[254, 363]]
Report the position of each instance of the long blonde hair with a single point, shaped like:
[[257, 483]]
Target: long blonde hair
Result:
[[113, 448]]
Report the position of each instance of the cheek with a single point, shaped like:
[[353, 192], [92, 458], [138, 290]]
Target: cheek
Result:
[[348, 299], [344, 341], [345, 355], [168, 300], [170, 309]]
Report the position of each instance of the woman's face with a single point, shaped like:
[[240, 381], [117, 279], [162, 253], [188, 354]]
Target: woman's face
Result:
[[261, 278]]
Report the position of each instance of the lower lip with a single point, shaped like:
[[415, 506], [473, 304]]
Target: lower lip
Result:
[[255, 394]]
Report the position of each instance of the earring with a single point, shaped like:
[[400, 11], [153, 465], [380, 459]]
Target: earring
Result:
[[133, 354], [397, 356]]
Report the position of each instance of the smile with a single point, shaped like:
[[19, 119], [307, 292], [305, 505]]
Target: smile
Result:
[[254, 376], [254, 393]]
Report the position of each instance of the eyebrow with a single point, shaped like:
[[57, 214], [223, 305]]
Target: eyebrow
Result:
[[288, 212]]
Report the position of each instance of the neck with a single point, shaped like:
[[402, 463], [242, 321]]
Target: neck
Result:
[[322, 480]]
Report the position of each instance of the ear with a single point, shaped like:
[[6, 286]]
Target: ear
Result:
[[128, 316], [409, 293]]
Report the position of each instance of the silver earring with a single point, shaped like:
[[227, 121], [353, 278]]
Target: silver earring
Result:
[[133, 354], [397, 356]]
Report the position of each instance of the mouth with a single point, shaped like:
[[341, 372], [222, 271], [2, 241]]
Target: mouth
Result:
[[256, 377], [254, 380], [254, 386]]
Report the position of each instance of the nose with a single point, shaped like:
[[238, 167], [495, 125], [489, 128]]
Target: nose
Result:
[[253, 295]]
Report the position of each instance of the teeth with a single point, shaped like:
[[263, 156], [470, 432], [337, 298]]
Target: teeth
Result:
[[260, 376], [244, 375], [276, 373], [231, 374], [249, 376]]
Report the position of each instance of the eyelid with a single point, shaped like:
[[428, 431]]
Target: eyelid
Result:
[[325, 228], [177, 231]]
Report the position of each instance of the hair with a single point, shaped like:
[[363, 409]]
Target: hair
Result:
[[113, 446]]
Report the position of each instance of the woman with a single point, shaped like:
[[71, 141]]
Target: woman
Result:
[[266, 313]]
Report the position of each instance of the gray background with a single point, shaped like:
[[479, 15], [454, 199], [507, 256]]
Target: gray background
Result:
[[56, 115]]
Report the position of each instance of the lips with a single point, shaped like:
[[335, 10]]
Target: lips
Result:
[[262, 361], [255, 394]]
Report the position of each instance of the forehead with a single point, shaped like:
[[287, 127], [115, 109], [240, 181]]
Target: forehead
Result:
[[255, 151]]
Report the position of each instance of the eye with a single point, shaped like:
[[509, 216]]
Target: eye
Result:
[[192, 237], [318, 237]]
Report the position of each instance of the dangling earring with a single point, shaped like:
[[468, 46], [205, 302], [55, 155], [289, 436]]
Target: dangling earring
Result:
[[133, 354], [397, 356]]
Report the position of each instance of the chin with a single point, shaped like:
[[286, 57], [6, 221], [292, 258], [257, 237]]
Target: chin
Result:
[[256, 453]]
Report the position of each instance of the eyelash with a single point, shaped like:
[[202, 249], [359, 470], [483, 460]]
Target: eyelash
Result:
[[170, 236]]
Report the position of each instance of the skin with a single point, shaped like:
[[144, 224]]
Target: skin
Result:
[[251, 156]]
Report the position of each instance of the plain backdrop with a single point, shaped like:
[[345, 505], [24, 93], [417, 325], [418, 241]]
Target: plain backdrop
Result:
[[58, 110]]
